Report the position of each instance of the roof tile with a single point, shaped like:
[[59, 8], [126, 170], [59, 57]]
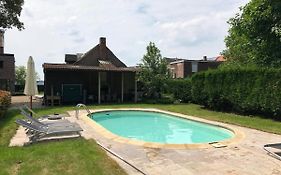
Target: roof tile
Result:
[[50, 66]]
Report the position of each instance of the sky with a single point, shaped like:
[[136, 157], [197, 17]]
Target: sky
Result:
[[180, 28]]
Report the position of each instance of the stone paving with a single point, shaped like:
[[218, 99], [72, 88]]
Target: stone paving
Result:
[[18, 101], [19, 138], [244, 158]]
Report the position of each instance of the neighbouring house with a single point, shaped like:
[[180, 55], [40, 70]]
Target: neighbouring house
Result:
[[182, 68], [94, 77], [7, 68]]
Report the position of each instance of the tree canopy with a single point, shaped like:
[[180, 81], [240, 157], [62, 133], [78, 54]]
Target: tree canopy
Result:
[[255, 35], [10, 11], [21, 74], [154, 71]]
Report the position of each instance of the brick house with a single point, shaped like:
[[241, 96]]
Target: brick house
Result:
[[94, 77], [182, 68], [7, 68]]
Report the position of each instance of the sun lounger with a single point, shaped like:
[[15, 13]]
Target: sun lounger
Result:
[[273, 150], [26, 109], [42, 132], [41, 123]]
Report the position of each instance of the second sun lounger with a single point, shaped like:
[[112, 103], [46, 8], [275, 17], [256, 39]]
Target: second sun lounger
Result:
[[42, 132]]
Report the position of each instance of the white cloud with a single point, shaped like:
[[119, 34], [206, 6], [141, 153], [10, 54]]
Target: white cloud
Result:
[[180, 28]]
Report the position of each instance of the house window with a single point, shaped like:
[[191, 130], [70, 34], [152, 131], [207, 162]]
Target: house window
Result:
[[1, 64], [194, 67]]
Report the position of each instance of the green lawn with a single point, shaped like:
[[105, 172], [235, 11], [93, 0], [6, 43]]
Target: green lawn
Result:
[[79, 156], [72, 156], [75, 156]]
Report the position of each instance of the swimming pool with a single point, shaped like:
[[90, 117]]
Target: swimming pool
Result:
[[159, 127]]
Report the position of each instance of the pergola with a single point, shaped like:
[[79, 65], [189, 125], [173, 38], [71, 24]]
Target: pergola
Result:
[[119, 81]]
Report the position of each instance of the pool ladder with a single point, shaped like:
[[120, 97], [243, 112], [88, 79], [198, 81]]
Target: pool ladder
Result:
[[80, 105]]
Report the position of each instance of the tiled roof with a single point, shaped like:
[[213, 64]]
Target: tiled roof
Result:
[[212, 59], [50, 66], [220, 58], [169, 60], [98, 53], [106, 64]]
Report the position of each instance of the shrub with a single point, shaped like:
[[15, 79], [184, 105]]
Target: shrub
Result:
[[5, 101], [180, 88], [162, 100], [244, 90]]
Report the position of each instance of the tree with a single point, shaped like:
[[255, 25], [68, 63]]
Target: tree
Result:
[[154, 72], [20, 75], [255, 35], [10, 11]]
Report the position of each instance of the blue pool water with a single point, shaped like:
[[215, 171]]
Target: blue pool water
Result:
[[159, 127]]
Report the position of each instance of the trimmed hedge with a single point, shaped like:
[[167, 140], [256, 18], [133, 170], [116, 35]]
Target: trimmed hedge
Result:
[[180, 88], [5, 101], [250, 91]]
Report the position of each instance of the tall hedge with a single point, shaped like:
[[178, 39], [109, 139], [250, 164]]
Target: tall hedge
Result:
[[180, 88], [244, 90], [5, 101]]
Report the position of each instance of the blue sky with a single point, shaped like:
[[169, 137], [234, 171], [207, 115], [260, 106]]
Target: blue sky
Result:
[[180, 28]]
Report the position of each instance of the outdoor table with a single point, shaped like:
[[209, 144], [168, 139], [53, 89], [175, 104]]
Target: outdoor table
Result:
[[56, 116]]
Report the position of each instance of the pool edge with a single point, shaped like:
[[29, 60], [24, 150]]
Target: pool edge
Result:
[[238, 135]]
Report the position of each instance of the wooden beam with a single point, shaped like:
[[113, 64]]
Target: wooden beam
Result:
[[52, 95], [99, 87], [136, 89], [122, 87]]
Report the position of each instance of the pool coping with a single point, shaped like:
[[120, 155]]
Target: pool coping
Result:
[[238, 135]]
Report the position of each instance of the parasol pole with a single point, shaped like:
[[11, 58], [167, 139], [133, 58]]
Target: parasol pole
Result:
[[31, 102]]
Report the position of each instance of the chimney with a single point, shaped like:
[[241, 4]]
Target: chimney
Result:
[[2, 41], [205, 58], [102, 41], [70, 58], [103, 48]]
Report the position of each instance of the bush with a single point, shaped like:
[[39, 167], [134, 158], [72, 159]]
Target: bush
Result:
[[243, 90], [5, 101], [163, 99], [180, 88]]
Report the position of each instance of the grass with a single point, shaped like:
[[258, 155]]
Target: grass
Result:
[[80, 156], [75, 156], [72, 156]]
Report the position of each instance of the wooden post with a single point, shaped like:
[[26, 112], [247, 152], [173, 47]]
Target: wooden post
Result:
[[31, 102], [52, 95], [31, 105], [122, 87], [136, 90], [98, 87]]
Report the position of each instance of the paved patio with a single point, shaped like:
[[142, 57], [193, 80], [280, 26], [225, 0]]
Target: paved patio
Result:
[[244, 158], [25, 100]]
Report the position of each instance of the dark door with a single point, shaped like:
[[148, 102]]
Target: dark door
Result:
[[72, 93]]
